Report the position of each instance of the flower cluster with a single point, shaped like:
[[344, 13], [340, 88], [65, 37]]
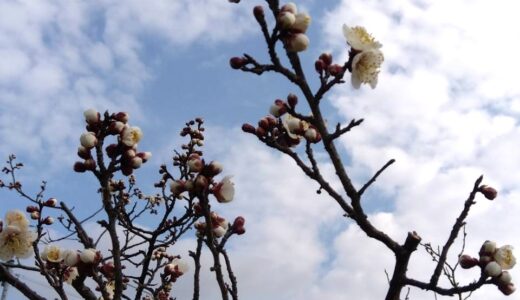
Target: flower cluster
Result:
[[326, 68], [494, 262], [365, 55], [15, 237], [124, 151], [68, 261], [282, 127], [219, 225], [293, 25]]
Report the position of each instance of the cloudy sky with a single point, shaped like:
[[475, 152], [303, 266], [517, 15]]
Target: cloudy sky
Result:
[[446, 108]]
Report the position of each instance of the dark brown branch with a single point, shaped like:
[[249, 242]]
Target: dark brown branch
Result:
[[340, 131], [373, 179], [196, 275], [454, 232], [451, 291], [6, 276]]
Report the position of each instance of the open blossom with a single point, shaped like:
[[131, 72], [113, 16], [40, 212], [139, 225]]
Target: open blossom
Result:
[[504, 257], [16, 218], [16, 242], [131, 136], [224, 191], [70, 274], [359, 39], [52, 253], [365, 67]]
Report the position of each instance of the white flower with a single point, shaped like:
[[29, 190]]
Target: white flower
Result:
[[220, 229], [88, 256], [91, 116], [505, 258], [302, 22], [297, 42], [505, 278], [16, 242], [110, 287], [70, 257], [365, 67], [359, 39], [224, 191], [88, 140], [70, 274], [131, 136], [52, 253], [17, 218], [489, 247], [493, 269]]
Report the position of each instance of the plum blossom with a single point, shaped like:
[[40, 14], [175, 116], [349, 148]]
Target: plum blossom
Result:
[[224, 191], [88, 140], [16, 242], [52, 253], [91, 116], [493, 269], [70, 274], [16, 218], [359, 39], [365, 67], [131, 136], [70, 257], [504, 257]]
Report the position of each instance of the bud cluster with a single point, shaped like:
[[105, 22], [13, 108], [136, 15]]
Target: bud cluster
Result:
[[326, 68], [70, 262], [494, 262], [293, 26], [175, 269], [124, 152], [282, 127], [219, 226]]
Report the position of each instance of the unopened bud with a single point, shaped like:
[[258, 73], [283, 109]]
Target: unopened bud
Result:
[[467, 262], [31, 209], [504, 278], [48, 221], [263, 123], [145, 156], [248, 128], [488, 192], [79, 167], [122, 117], [35, 215], [258, 12], [112, 151], [214, 168], [260, 132], [237, 62], [312, 135], [201, 182], [335, 70], [90, 164], [290, 7], [51, 202], [278, 108], [297, 43], [292, 99], [507, 289], [91, 116], [493, 269], [302, 22], [488, 248], [88, 140], [84, 152], [319, 66], [326, 58], [286, 19]]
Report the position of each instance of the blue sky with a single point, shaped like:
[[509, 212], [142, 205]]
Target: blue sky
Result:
[[446, 107]]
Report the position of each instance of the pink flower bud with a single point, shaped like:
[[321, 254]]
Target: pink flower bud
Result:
[[214, 168], [238, 225], [292, 99], [248, 128], [116, 127], [177, 187], [112, 150], [145, 156], [260, 132], [297, 43], [79, 167], [467, 262], [51, 202], [122, 117], [335, 70], [126, 169], [319, 66], [488, 192], [88, 140], [493, 269], [90, 164], [278, 108], [507, 289], [258, 12], [326, 58], [263, 123], [31, 209], [237, 62], [84, 152]]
